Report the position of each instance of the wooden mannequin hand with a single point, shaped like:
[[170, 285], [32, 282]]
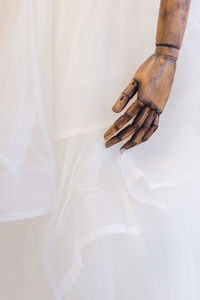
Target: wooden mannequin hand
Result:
[[153, 81]]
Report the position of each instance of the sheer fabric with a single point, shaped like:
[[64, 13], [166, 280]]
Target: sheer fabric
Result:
[[79, 221]]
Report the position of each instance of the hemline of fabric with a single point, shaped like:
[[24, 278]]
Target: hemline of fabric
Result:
[[26, 215]]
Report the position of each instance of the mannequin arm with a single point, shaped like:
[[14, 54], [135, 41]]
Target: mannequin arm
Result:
[[152, 81]]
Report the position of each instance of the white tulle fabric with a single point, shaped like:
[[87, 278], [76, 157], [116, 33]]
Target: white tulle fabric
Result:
[[78, 221]]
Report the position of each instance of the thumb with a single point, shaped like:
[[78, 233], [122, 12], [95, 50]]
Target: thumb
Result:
[[125, 96]]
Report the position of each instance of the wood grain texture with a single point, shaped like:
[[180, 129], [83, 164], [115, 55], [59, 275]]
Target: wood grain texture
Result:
[[172, 20], [155, 77]]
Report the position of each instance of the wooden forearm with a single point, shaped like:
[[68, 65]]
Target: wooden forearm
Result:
[[172, 20]]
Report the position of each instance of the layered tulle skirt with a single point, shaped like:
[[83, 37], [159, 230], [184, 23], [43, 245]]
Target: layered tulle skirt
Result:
[[79, 221]]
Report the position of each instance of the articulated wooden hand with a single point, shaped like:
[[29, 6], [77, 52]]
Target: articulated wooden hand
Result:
[[153, 80]]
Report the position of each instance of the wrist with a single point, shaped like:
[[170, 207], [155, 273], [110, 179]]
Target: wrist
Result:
[[167, 50]]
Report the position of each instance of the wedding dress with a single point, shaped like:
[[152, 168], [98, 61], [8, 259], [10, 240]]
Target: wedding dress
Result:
[[79, 221]]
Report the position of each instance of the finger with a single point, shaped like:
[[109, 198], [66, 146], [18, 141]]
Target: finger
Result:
[[142, 116], [125, 97], [121, 121], [152, 129], [130, 129], [137, 137]]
